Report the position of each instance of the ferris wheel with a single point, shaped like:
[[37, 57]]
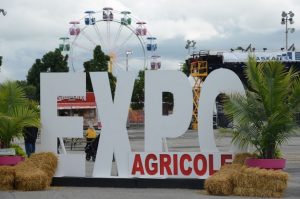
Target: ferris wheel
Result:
[[124, 38]]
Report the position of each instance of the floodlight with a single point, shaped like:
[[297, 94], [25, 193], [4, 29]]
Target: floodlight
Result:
[[3, 12], [284, 14], [287, 18]]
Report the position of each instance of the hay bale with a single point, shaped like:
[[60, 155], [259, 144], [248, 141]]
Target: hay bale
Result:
[[28, 177], [46, 161], [31, 181], [260, 182], [273, 180], [7, 178], [240, 191], [35, 173], [241, 157], [221, 183], [232, 168]]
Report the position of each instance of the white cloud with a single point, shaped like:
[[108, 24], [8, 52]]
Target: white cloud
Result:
[[32, 27]]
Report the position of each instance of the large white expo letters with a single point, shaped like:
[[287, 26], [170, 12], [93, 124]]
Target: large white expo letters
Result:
[[218, 81], [53, 126], [113, 115], [158, 126]]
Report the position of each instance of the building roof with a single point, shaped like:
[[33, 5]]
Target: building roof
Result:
[[77, 102]]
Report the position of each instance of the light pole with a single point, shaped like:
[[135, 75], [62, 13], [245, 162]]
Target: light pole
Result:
[[128, 52], [3, 12], [287, 17], [189, 45]]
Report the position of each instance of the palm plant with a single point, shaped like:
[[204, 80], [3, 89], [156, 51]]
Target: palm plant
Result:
[[15, 113], [265, 117]]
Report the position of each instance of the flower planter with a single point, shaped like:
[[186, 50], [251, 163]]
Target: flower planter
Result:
[[266, 163], [10, 160]]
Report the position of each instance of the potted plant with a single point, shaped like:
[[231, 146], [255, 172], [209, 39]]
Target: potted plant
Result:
[[265, 117], [15, 114]]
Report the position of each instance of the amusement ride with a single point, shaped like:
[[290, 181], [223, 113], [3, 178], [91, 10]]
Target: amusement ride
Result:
[[123, 37]]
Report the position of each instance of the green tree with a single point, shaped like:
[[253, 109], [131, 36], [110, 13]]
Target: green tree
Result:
[[16, 112], [98, 63], [30, 90], [265, 117], [184, 68], [52, 61], [138, 94]]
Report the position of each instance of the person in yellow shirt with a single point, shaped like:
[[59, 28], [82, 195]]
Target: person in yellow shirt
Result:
[[90, 134]]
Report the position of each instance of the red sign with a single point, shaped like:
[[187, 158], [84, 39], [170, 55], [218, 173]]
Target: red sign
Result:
[[177, 164]]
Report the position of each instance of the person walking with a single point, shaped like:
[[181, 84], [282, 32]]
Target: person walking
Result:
[[30, 136]]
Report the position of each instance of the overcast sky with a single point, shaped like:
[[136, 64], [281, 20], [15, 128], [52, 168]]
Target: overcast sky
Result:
[[32, 27]]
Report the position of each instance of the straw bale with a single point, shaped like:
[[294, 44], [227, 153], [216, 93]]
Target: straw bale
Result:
[[273, 180], [31, 181], [254, 192], [241, 157], [7, 177], [35, 173], [221, 182], [46, 161], [231, 168]]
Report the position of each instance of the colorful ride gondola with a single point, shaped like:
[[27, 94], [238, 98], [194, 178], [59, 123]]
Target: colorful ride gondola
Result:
[[64, 45], [151, 45], [107, 14], [155, 62], [125, 20], [141, 30], [74, 29], [89, 19]]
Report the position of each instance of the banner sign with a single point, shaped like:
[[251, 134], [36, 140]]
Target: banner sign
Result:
[[153, 162], [284, 56]]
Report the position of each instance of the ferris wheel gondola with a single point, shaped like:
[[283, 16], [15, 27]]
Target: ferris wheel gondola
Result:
[[141, 30], [107, 14], [74, 29], [89, 19], [151, 45], [155, 62], [117, 33], [64, 46], [126, 20]]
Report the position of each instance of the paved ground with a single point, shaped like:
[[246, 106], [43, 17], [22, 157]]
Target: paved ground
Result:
[[187, 142]]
